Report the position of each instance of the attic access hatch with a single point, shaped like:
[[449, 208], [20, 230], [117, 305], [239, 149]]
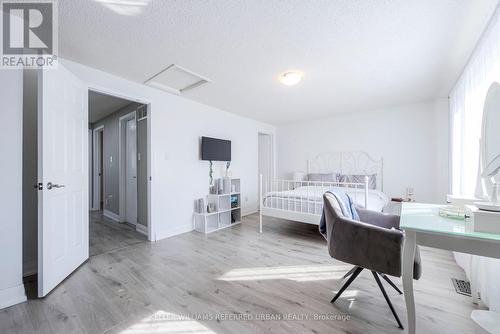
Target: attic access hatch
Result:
[[176, 79]]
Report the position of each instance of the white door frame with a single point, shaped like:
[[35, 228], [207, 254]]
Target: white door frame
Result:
[[122, 155], [110, 91], [96, 185], [272, 156]]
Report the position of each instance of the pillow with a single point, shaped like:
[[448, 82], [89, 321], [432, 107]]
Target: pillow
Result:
[[322, 177], [359, 178]]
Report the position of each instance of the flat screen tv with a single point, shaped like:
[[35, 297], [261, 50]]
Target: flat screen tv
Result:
[[215, 149]]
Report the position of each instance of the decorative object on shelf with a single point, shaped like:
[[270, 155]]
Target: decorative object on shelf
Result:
[[219, 186], [211, 172], [200, 206], [228, 171], [226, 185], [234, 201], [212, 190], [490, 149], [211, 207]]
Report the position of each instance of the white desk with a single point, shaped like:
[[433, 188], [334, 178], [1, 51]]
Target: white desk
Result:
[[423, 226]]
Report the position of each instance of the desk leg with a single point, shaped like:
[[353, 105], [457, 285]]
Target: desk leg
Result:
[[408, 259]]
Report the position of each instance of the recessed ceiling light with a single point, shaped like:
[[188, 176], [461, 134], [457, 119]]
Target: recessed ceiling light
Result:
[[291, 78]]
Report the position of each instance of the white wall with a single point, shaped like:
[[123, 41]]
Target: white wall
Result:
[[11, 97], [178, 176], [413, 140]]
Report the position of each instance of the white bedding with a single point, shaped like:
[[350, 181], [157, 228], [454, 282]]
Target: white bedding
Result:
[[309, 199], [484, 274]]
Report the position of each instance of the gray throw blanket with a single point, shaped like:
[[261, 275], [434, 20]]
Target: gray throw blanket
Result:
[[346, 204]]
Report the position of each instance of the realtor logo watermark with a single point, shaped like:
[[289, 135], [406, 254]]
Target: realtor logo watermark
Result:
[[29, 34]]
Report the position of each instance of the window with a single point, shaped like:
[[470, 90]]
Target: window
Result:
[[466, 111]]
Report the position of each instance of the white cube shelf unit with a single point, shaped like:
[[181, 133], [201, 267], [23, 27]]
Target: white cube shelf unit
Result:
[[227, 209]]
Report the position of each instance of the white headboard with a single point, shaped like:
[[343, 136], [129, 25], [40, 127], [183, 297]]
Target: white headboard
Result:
[[348, 162]]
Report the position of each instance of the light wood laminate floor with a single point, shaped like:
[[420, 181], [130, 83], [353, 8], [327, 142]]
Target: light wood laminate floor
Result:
[[107, 235], [180, 285]]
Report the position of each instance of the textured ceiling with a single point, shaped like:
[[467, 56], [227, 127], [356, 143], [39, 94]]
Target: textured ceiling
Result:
[[101, 105], [356, 55]]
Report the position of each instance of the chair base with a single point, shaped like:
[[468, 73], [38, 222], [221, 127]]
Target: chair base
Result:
[[354, 272], [384, 276]]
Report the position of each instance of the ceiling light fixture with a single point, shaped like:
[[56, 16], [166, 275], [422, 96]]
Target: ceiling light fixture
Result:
[[291, 78]]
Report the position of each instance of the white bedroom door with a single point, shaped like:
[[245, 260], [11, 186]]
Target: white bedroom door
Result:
[[63, 242], [266, 164], [131, 171]]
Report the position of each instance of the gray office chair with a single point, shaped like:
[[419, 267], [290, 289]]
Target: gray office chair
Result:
[[373, 243]]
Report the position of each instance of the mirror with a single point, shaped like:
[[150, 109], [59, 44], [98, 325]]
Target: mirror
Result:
[[490, 150], [491, 132]]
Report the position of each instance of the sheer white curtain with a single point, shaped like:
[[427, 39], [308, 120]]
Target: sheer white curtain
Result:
[[466, 109]]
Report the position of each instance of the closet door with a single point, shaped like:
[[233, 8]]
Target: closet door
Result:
[[131, 171]]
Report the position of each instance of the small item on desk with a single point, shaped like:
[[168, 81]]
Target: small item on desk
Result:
[[484, 221], [453, 212]]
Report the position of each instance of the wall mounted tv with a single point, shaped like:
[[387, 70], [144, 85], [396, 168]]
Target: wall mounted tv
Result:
[[215, 149]]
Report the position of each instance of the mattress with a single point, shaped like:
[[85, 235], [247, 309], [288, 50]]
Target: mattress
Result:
[[309, 199]]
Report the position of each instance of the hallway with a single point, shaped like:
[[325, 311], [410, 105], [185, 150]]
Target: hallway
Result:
[[106, 235]]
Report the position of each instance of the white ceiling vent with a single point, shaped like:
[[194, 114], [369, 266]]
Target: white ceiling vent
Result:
[[176, 79]]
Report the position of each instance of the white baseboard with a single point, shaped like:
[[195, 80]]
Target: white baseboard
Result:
[[30, 268], [141, 229], [12, 296], [111, 215], [243, 214], [170, 233]]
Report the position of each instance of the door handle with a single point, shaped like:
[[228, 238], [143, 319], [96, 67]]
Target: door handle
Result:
[[51, 185]]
